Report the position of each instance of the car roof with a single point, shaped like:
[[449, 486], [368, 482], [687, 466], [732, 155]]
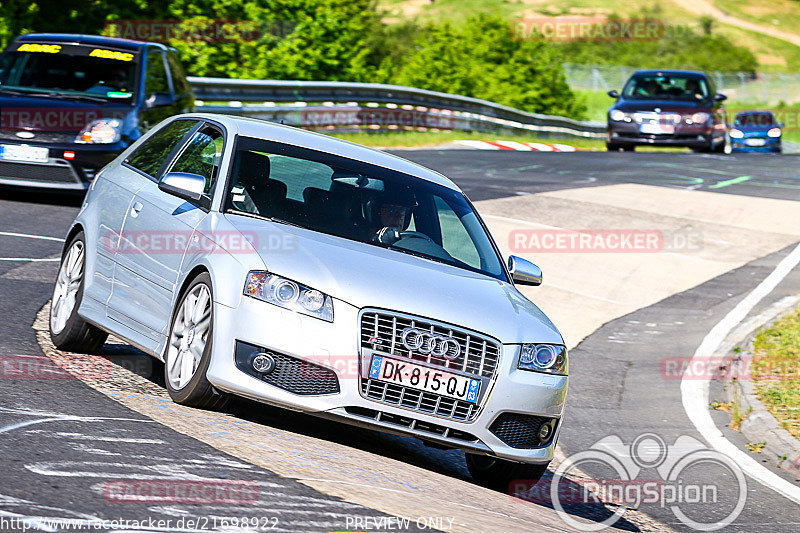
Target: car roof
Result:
[[94, 40], [251, 127], [670, 72]]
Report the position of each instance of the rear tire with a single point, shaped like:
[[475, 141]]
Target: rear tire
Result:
[[188, 352], [498, 474], [612, 147], [68, 331]]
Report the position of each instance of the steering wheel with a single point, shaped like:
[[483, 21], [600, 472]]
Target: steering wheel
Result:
[[415, 235]]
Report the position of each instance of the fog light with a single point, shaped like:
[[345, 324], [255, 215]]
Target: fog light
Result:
[[545, 431], [263, 363]]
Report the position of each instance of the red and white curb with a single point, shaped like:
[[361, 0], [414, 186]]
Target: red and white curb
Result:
[[514, 145]]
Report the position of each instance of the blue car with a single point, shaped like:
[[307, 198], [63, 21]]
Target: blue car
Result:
[[756, 131]]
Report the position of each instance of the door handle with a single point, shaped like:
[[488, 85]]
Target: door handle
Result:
[[136, 208]]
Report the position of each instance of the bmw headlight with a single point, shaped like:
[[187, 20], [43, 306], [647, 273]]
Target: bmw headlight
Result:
[[774, 132], [700, 118], [616, 115], [736, 134], [548, 358], [103, 131], [289, 295]]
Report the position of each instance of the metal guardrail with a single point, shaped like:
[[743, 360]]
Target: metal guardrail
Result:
[[332, 105]]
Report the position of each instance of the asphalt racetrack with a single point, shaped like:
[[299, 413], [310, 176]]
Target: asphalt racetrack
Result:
[[731, 219]]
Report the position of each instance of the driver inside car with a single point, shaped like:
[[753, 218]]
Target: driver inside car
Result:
[[392, 215]]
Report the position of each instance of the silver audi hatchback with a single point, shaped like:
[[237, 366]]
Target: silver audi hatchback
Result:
[[306, 272]]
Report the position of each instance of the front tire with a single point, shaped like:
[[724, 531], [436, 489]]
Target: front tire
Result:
[[498, 474], [68, 331], [188, 352]]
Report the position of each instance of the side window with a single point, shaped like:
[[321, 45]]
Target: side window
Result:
[[455, 238], [178, 74], [153, 153], [202, 155], [156, 74]]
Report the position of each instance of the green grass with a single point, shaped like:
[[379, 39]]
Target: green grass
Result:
[[776, 370], [774, 55], [596, 102], [428, 139], [779, 14]]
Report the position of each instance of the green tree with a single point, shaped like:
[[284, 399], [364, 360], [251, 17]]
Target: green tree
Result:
[[482, 59]]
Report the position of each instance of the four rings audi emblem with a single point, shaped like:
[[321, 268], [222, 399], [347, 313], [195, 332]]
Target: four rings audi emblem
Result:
[[425, 342]]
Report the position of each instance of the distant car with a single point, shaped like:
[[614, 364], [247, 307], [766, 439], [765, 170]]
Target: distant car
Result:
[[370, 290], [756, 131], [667, 108], [69, 104]]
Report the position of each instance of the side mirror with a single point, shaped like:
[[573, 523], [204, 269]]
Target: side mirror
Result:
[[720, 97], [186, 186], [613, 93], [523, 272], [159, 100], [780, 124]]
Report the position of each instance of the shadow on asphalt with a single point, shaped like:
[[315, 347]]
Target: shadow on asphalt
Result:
[[406, 449], [40, 196]]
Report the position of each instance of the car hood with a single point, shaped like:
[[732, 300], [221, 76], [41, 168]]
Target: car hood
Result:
[[754, 128], [370, 276], [664, 105], [46, 115]]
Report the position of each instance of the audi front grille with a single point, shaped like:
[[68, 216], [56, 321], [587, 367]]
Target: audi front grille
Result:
[[476, 356]]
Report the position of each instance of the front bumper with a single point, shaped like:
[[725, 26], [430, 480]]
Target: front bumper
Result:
[[59, 173], [335, 346], [688, 136], [771, 145]]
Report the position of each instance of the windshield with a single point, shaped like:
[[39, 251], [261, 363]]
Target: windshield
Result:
[[754, 119], [360, 202], [662, 87], [69, 70]]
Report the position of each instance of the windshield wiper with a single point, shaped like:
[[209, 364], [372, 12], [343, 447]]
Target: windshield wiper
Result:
[[12, 91], [72, 96]]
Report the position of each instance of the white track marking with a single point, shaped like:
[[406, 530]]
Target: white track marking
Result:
[[30, 236], [694, 392], [33, 259]]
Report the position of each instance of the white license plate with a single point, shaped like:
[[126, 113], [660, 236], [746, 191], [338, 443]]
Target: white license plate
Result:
[[657, 129], [423, 378], [16, 152], [755, 142]]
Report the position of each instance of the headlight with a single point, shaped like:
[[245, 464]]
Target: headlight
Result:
[[616, 115], [549, 358], [103, 131], [289, 295], [736, 134], [774, 132], [700, 118]]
